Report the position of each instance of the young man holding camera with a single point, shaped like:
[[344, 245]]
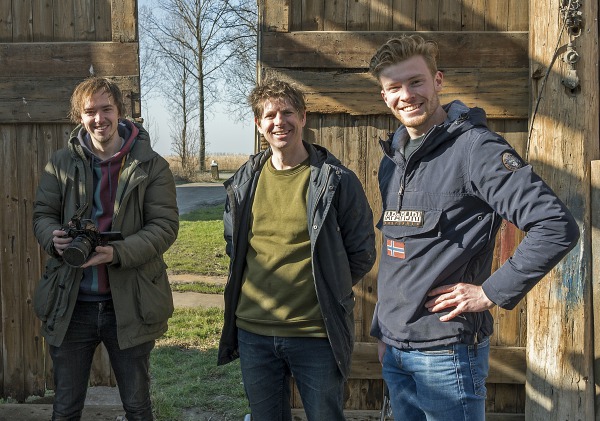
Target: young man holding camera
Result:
[[121, 295]]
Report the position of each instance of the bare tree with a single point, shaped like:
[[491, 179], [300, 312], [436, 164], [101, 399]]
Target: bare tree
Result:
[[240, 72], [197, 28]]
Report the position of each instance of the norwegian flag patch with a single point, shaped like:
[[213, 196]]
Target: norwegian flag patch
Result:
[[395, 249]]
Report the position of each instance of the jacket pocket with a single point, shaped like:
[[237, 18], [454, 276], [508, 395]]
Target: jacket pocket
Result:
[[47, 291], [155, 300]]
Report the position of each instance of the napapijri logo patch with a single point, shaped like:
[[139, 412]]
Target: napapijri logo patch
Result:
[[395, 249], [412, 218], [512, 162]]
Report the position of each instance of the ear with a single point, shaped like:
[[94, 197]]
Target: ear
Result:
[[303, 118], [438, 81], [257, 122]]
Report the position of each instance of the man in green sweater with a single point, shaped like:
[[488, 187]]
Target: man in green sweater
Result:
[[299, 233]]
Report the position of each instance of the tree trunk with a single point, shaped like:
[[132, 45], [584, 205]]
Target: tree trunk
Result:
[[564, 140]]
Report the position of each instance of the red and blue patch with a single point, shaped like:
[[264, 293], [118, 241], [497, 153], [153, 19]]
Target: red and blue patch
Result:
[[395, 249]]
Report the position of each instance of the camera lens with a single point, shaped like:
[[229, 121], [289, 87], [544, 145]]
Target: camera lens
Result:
[[78, 251]]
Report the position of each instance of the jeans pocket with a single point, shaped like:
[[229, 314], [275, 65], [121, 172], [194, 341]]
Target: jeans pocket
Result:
[[479, 363]]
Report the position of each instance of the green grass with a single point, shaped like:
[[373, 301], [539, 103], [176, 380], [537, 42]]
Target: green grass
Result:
[[200, 247], [185, 373], [184, 362], [201, 287]]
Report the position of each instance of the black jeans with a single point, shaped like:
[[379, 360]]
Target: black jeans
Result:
[[92, 323]]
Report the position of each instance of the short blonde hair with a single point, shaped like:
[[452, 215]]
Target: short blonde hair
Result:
[[399, 49], [86, 89]]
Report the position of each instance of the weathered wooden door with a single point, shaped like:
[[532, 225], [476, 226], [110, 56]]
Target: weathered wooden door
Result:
[[46, 48]]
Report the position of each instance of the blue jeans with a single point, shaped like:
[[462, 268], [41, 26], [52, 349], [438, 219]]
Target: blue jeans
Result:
[[92, 323], [438, 384], [267, 362]]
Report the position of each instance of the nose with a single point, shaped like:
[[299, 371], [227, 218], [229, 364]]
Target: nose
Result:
[[278, 118], [406, 93]]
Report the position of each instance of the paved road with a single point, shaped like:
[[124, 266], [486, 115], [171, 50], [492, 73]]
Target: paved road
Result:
[[191, 196]]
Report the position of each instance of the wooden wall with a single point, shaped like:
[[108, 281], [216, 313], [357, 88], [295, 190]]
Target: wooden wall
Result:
[[325, 47], [46, 48]]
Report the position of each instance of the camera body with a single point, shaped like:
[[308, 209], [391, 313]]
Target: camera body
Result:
[[86, 237]]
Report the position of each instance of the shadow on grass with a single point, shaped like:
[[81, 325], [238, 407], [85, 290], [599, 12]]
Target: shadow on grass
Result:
[[185, 375], [206, 213]]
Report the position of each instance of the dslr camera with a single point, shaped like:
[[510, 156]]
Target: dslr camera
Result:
[[86, 237]]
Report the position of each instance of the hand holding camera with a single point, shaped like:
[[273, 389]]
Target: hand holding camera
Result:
[[77, 241]]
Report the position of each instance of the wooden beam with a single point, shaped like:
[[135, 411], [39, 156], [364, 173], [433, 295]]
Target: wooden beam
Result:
[[353, 50], [502, 93], [72, 59], [564, 140], [507, 363], [46, 99], [595, 235]]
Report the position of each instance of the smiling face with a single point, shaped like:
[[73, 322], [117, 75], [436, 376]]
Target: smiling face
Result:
[[100, 118], [281, 124], [411, 92]]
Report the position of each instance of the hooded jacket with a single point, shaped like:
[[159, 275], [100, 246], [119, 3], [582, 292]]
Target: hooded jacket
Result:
[[442, 207], [145, 212], [340, 225]]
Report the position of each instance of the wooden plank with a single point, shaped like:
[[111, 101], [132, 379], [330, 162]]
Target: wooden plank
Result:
[[564, 140], [501, 92], [496, 15], [275, 15], [450, 14], [22, 30], [6, 21], [26, 170], [427, 15], [43, 20], [10, 293], [358, 15], [85, 22], [353, 50], [124, 20], [72, 59], [473, 15], [102, 15], [405, 15], [518, 15], [507, 364], [381, 15], [334, 15], [32, 100], [64, 21], [595, 278], [312, 15]]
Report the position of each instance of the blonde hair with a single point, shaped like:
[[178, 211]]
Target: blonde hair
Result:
[[86, 89], [399, 49]]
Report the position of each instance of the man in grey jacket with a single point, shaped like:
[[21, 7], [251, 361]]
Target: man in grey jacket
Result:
[[447, 182], [109, 179], [300, 234]]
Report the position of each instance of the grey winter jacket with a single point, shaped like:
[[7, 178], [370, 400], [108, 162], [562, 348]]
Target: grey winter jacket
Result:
[[145, 213], [340, 224], [442, 209]]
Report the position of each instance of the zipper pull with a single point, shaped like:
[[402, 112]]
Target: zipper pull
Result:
[[400, 194]]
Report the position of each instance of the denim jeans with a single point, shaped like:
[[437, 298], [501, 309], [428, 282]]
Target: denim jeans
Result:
[[92, 323], [438, 384], [267, 362]]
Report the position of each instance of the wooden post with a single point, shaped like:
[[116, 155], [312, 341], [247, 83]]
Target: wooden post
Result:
[[564, 141]]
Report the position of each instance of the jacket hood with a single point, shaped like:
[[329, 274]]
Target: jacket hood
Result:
[[128, 130]]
